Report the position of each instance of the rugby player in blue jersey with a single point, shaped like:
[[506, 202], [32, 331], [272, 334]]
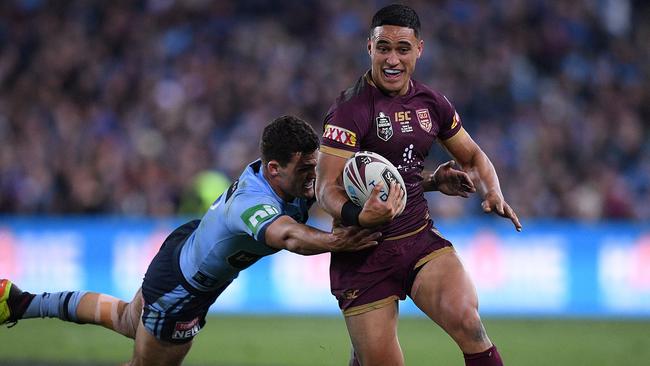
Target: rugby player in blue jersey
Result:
[[388, 112], [263, 212]]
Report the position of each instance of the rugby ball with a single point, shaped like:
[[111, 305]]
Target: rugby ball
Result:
[[363, 171]]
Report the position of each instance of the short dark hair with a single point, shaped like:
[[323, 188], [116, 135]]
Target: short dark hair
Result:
[[396, 14], [285, 137]]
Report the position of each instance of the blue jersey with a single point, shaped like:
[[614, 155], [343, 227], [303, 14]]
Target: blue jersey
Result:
[[231, 235]]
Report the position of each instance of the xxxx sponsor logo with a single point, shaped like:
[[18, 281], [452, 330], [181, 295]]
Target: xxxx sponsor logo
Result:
[[338, 134]]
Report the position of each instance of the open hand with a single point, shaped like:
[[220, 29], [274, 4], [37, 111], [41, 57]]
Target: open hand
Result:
[[494, 202], [453, 182]]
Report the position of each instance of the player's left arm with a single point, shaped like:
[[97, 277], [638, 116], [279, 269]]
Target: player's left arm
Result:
[[478, 166]]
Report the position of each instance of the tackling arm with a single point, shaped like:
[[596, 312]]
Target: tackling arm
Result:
[[480, 169], [287, 233]]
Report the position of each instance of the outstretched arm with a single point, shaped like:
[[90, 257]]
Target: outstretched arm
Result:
[[287, 233], [480, 169]]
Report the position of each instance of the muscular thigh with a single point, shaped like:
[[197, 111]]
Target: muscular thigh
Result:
[[443, 289], [374, 336], [173, 311]]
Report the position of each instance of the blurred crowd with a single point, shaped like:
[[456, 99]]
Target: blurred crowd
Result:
[[117, 106]]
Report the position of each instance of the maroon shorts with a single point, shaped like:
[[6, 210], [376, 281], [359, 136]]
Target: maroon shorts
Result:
[[373, 278]]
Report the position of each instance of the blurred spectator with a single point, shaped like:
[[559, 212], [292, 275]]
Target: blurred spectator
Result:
[[207, 186], [116, 106]]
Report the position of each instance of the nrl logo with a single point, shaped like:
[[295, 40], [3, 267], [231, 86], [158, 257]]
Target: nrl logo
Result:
[[384, 127]]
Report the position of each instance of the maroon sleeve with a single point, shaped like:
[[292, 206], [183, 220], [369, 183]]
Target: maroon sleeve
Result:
[[343, 129], [450, 122]]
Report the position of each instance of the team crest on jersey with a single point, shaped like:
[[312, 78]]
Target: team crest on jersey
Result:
[[384, 127], [424, 119], [338, 134]]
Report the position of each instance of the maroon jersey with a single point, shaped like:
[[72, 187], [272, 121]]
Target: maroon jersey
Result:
[[400, 128]]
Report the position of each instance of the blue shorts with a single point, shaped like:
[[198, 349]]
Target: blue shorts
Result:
[[173, 310]]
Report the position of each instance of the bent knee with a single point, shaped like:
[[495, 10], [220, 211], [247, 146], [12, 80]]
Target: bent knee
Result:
[[466, 325], [380, 353], [127, 318]]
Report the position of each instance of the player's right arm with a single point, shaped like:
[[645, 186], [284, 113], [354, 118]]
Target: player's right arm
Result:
[[331, 196], [286, 233]]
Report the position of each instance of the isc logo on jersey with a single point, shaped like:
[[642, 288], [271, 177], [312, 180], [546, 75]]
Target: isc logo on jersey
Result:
[[363, 171], [256, 215]]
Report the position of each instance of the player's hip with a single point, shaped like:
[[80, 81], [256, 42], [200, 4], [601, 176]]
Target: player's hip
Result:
[[173, 310], [365, 280], [410, 222]]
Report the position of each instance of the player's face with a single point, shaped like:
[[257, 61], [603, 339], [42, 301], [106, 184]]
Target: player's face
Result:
[[298, 176], [393, 50]]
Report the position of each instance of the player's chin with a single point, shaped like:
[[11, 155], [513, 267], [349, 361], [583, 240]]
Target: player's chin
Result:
[[307, 190], [392, 86], [308, 193]]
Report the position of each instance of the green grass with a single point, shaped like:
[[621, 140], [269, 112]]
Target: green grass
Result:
[[287, 341]]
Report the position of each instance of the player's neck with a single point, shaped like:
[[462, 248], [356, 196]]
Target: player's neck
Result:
[[275, 186]]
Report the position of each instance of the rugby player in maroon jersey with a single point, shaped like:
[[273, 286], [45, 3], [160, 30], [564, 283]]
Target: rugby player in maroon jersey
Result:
[[388, 112]]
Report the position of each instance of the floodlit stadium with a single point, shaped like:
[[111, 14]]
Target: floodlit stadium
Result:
[[122, 120]]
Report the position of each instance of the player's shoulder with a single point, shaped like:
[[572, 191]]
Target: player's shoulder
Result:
[[352, 97], [422, 90], [251, 187], [439, 104], [251, 207]]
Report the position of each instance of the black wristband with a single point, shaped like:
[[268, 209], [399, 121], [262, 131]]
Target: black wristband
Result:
[[350, 214]]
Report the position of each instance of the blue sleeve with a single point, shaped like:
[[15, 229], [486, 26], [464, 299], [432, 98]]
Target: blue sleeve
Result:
[[252, 214]]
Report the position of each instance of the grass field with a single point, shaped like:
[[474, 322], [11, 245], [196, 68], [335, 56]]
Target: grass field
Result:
[[287, 341]]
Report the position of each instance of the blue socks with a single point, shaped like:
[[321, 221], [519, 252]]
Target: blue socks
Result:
[[62, 305]]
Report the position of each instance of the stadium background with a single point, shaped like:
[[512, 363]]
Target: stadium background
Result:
[[120, 119]]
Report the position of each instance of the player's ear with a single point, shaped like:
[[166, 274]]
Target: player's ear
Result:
[[420, 47], [273, 168], [369, 45]]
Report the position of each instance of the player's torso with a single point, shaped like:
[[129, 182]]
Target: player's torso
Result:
[[402, 130], [225, 243]]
